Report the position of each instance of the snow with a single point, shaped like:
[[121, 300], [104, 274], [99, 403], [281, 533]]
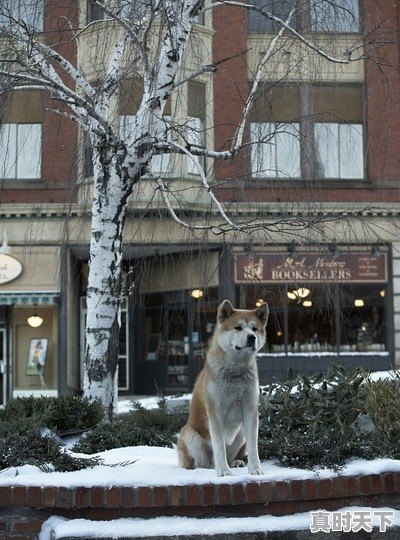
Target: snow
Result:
[[136, 528], [155, 466]]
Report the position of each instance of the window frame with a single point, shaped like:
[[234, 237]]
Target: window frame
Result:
[[303, 19], [308, 141], [17, 154]]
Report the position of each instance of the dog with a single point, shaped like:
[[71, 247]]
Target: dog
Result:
[[223, 416]]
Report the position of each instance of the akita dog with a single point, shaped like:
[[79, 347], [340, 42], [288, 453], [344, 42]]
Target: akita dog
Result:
[[223, 417]]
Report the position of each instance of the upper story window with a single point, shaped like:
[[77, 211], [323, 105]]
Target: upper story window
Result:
[[129, 100], [196, 122], [93, 12], [325, 16], [21, 137], [338, 131], [327, 142], [29, 12], [340, 16], [275, 134]]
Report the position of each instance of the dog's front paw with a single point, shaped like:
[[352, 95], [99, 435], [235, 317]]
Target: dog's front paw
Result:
[[224, 472], [256, 471], [237, 463]]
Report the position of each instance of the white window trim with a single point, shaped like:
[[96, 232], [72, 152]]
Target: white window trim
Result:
[[17, 154]]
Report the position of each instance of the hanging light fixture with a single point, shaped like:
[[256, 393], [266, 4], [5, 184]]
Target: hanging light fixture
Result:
[[307, 303], [259, 302], [292, 295], [196, 293], [34, 320], [359, 302], [303, 292]]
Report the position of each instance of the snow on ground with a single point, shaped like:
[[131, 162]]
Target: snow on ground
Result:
[[136, 528], [154, 466]]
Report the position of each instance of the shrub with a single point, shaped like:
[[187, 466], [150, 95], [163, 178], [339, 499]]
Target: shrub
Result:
[[382, 404], [65, 415], [32, 448], [154, 427], [307, 422]]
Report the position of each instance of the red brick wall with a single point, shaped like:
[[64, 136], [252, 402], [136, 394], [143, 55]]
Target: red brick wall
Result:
[[23, 509], [382, 115], [230, 81], [59, 143], [383, 90]]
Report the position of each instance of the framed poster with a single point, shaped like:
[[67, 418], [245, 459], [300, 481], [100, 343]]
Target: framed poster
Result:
[[37, 356]]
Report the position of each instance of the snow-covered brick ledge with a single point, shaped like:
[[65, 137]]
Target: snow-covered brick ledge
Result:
[[24, 508]]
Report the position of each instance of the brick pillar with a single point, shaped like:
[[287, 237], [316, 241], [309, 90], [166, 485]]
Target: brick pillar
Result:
[[230, 82]]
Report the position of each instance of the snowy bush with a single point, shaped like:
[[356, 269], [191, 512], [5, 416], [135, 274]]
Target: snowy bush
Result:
[[151, 427], [307, 422]]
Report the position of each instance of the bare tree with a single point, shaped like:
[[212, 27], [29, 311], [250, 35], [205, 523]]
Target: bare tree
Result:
[[150, 39]]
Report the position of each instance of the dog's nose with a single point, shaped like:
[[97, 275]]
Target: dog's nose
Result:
[[251, 339]]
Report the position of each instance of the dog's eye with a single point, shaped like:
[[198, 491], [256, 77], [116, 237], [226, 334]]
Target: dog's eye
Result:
[[238, 328], [254, 328]]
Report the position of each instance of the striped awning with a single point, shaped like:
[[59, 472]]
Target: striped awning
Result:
[[27, 298]]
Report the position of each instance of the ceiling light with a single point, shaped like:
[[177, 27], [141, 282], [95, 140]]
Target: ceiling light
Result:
[[358, 302], [382, 293], [196, 293], [307, 303], [35, 321], [303, 292]]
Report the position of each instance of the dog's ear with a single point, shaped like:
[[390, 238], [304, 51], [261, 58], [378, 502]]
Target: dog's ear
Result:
[[225, 310], [262, 313]]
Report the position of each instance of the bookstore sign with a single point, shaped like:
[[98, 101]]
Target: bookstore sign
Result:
[[311, 268]]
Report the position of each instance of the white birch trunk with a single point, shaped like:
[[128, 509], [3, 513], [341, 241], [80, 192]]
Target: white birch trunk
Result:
[[104, 285]]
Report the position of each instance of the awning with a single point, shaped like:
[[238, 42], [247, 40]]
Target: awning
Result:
[[28, 298]]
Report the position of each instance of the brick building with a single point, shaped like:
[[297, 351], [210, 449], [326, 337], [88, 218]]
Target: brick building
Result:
[[322, 169]]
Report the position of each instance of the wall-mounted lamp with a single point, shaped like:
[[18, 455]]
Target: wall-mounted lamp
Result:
[[196, 293], [259, 302], [307, 303], [334, 249], [292, 250], [375, 253], [303, 292], [35, 321], [359, 302]]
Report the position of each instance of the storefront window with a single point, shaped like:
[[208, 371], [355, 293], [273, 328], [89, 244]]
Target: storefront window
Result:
[[311, 319], [363, 319]]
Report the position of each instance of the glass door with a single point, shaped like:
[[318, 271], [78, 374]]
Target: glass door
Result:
[[178, 328]]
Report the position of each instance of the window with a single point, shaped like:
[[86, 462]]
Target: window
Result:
[[339, 150], [275, 150], [195, 125], [94, 12], [326, 141], [279, 8], [20, 151], [339, 16], [21, 136], [30, 12], [338, 131]]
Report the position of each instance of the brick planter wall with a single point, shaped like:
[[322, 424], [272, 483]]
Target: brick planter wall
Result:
[[24, 509]]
